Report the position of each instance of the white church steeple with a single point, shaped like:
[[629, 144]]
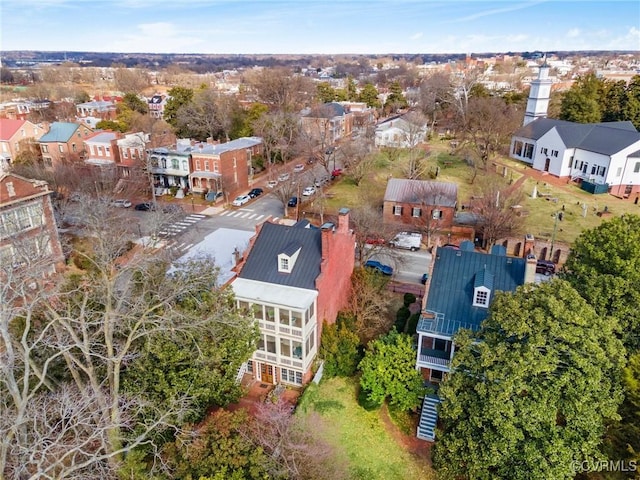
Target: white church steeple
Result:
[[539, 95]]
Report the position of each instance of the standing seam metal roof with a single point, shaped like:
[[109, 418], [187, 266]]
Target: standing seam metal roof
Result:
[[273, 239], [443, 194]]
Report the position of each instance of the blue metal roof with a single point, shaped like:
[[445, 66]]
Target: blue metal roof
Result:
[[455, 274], [59, 132]]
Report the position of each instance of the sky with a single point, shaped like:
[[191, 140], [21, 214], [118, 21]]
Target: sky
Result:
[[318, 27]]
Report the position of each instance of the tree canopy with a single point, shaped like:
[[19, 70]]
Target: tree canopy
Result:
[[529, 394], [604, 267]]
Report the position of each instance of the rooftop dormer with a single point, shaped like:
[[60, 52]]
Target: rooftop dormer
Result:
[[288, 256], [482, 287]]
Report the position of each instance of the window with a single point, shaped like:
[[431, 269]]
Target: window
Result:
[[206, 165], [154, 161], [636, 169], [284, 264], [481, 299], [415, 212], [20, 219], [290, 376], [47, 161], [593, 169], [258, 311], [74, 148], [271, 343], [619, 172], [125, 153], [517, 148], [571, 162], [215, 167], [164, 162], [45, 148], [310, 341], [543, 150], [175, 164], [107, 151], [184, 166], [61, 148], [270, 314], [197, 164], [601, 171], [436, 214], [554, 153], [284, 316], [397, 210], [250, 366], [528, 150]]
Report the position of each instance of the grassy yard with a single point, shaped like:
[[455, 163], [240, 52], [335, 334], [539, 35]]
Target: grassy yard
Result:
[[372, 451], [540, 212]]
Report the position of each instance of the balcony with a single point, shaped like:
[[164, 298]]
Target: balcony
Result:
[[431, 358]]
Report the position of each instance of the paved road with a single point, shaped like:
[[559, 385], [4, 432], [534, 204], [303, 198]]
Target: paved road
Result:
[[408, 266]]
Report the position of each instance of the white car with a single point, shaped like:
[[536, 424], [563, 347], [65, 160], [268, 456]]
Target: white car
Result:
[[307, 192], [121, 203], [241, 200], [272, 183], [283, 177], [298, 168]]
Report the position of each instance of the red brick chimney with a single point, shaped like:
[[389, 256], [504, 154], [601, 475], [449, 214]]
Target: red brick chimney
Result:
[[328, 230]]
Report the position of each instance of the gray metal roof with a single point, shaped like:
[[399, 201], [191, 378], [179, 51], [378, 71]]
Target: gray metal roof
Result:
[[442, 194], [237, 144], [605, 138], [455, 272], [273, 239]]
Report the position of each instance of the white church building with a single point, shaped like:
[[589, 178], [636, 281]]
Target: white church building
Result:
[[607, 155]]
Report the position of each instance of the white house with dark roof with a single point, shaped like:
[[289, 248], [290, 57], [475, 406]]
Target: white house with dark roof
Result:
[[293, 279], [599, 153], [400, 132]]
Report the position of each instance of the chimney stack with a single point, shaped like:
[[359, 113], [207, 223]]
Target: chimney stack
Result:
[[530, 269], [343, 220]]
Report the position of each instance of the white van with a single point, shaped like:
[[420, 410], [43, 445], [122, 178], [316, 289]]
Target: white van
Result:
[[409, 240]]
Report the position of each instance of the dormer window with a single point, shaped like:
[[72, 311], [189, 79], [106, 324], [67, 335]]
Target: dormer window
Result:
[[287, 258], [482, 286]]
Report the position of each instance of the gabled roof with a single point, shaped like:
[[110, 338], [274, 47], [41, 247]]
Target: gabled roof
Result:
[[606, 138], [237, 144], [326, 110], [442, 194], [101, 137], [455, 275], [273, 239], [9, 127], [60, 132]]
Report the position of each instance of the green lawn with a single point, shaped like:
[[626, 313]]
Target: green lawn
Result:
[[372, 452]]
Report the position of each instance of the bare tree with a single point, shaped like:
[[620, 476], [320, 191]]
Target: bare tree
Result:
[[489, 124], [65, 348], [295, 443], [372, 235], [279, 132], [130, 80], [494, 206], [279, 88], [285, 190]]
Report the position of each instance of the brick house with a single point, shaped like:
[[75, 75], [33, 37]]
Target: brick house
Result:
[[327, 123], [292, 280], [13, 136], [224, 167], [63, 143], [425, 205], [28, 232]]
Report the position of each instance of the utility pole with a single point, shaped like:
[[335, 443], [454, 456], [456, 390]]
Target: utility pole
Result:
[[553, 235]]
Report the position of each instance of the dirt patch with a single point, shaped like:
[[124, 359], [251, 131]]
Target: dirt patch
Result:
[[420, 449]]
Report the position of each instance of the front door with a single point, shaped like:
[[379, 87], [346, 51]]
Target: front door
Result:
[[547, 163], [266, 373]]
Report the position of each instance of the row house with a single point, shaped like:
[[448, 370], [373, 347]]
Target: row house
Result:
[[63, 143], [29, 239], [224, 168], [327, 123], [170, 166], [14, 137], [460, 287], [130, 153], [294, 278], [156, 105], [423, 204], [102, 109]]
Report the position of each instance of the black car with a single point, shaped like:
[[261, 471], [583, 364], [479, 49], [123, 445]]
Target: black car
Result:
[[545, 267], [256, 192], [293, 201], [145, 207]]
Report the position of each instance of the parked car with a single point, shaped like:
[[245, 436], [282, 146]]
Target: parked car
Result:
[[145, 207], [409, 240], [283, 177], [379, 267], [336, 172], [121, 203], [256, 192], [321, 181], [307, 192], [425, 277], [241, 200], [375, 240], [298, 168], [293, 201], [272, 183], [545, 267]]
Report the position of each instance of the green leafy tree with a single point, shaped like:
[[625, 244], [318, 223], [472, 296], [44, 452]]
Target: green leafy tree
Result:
[[581, 103], [631, 108], [325, 93], [135, 103], [604, 267], [369, 95], [114, 125], [218, 449], [339, 349], [529, 395], [388, 372], [178, 97], [396, 99]]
